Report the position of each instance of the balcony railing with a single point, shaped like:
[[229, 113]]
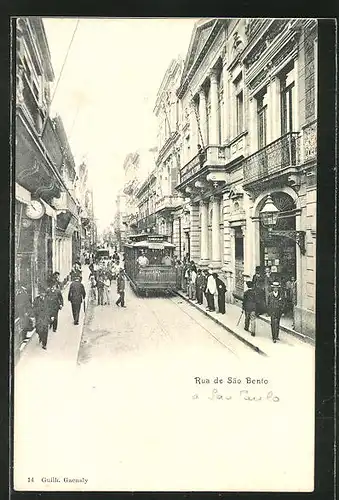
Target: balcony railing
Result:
[[280, 154], [147, 222], [213, 155], [310, 142], [167, 202]]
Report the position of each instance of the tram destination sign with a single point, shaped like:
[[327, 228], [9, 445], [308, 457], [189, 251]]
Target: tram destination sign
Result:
[[156, 238]]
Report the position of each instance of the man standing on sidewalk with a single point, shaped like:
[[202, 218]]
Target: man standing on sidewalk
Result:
[[211, 291], [56, 303], [42, 314], [121, 288], [75, 295], [221, 289], [249, 306], [275, 309]]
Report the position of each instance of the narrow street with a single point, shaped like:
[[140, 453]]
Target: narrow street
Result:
[[128, 393]]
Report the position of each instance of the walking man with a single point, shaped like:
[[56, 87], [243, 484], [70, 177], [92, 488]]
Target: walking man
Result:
[[249, 306], [275, 309], [42, 316], [56, 303], [121, 288], [100, 288], [107, 290], [221, 289], [75, 295]]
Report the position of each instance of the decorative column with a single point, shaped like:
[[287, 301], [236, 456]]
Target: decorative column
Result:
[[204, 233], [194, 137], [194, 232], [214, 135], [203, 115], [216, 261]]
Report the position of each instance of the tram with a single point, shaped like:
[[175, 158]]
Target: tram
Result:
[[149, 263]]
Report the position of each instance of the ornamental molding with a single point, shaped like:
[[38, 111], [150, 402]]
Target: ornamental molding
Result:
[[274, 46]]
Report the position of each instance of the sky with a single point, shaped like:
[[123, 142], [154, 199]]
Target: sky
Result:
[[107, 90]]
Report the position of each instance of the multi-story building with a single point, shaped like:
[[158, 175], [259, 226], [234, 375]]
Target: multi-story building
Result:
[[248, 93], [168, 113], [120, 218], [84, 194], [45, 207], [67, 234]]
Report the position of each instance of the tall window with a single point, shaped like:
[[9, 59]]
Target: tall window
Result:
[[262, 118], [287, 96], [240, 112], [239, 102]]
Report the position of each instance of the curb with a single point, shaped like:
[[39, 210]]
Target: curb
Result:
[[299, 336], [245, 341]]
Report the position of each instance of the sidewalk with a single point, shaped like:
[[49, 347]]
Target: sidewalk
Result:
[[262, 343], [62, 345]]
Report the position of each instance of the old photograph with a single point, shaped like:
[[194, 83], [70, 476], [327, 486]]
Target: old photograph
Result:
[[165, 253]]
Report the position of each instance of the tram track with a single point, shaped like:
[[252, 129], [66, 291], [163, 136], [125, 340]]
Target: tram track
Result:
[[165, 330]]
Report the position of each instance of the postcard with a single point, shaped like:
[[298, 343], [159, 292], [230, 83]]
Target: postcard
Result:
[[151, 354]]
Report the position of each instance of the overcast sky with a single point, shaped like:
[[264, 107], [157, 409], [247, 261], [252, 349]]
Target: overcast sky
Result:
[[107, 90]]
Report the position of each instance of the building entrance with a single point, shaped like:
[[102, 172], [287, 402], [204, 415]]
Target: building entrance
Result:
[[239, 263]]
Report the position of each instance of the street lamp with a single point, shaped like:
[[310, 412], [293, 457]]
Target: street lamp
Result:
[[269, 217]]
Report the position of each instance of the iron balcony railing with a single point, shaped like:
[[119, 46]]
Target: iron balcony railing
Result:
[[147, 222], [214, 155], [273, 158]]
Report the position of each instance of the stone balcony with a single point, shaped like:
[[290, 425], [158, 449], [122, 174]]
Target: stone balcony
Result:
[[280, 157], [213, 156], [167, 203]]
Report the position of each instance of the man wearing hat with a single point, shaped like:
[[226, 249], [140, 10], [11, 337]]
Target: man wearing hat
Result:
[[249, 306], [75, 296], [121, 288], [275, 309], [42, 314]]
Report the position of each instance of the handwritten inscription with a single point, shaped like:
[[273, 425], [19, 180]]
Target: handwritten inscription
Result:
[[242, 395]]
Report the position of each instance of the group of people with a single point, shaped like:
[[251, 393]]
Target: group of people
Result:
[[103, 272], [265, 294], [198, 283]]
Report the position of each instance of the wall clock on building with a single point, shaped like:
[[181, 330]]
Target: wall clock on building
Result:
[[35, 210]]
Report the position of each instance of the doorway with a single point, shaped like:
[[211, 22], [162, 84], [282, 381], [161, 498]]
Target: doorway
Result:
[[239, 263]]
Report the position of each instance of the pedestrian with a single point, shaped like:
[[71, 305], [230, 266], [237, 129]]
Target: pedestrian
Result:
[[249, 306], [121, 288], [211, 290], [187, 279], [275, 309], [268, 280], [205, 275], [56, 303], [75, 271], [93, 285], [199, 286], [221, 289], [100, 288], [192, 283], [76, 295], [179, 268], [23, 310], [107, 290], [258, 285], [42, 316], [166, 260]]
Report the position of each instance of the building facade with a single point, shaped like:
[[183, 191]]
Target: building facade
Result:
[[248, 94], [46, 211], [167, 110]]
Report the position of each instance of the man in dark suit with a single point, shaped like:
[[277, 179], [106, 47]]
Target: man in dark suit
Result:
[[275, 309], [42, 316], [75, 295], [199, 283], [56, 303], [121, 288], [221, 289], [249, 306]]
